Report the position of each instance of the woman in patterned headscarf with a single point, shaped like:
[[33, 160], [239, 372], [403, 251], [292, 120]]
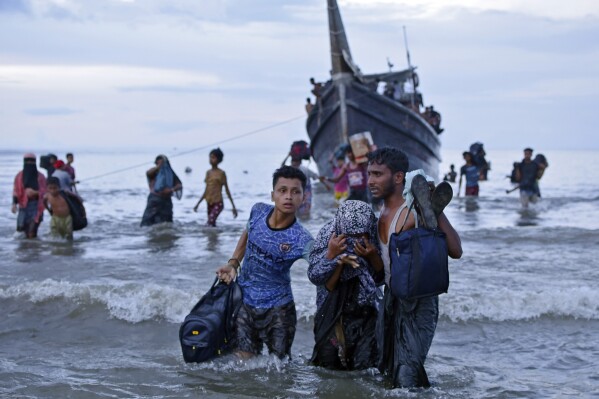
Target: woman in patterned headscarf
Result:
[[346, 267], [163, 184], [28, 191]]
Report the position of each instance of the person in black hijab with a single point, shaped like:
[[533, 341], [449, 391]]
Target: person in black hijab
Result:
[[28, 190]]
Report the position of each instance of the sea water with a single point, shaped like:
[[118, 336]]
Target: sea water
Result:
[[99, 316]]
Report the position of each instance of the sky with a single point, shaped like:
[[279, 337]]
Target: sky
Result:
[[184, 74]]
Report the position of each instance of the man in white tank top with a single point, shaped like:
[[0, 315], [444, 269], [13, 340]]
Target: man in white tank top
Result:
[[408, 326]]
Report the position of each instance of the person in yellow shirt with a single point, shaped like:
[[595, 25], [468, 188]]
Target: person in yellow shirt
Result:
[[213, 194]]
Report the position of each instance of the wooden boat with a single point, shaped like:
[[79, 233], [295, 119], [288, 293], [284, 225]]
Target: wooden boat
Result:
[[349, 103]]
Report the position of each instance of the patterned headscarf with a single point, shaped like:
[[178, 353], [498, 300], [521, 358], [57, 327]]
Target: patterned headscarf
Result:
[[355, 218], [352, 218]]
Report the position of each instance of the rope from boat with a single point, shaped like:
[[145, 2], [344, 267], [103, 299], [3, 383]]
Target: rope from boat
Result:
[[246, 134]]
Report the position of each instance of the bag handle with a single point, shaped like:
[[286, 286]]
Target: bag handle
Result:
[[406, 218]]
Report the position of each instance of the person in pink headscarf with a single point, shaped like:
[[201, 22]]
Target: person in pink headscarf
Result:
[[28, 190]]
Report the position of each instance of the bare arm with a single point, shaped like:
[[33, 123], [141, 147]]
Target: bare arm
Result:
[[341, 175], [228, 272], [334, 279], [454, 243], [230, 197], [152, 172], [195, 208], [460, 184], [46, 204]]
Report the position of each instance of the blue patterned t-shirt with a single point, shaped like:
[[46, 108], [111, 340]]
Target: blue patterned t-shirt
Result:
[[264, 277]]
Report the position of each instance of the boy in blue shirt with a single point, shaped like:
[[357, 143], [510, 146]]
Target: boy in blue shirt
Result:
[[272, 241]]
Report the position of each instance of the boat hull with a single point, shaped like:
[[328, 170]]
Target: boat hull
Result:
[[349, 107]]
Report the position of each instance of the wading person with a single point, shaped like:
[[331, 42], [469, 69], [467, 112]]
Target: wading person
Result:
[[163, 183], [61, 223], [272, 241], [60, 172], [215, 180], [470, 170], [346, 267], [71, 170], [408, 325], [527, 174], [28, 190], [356, 177]]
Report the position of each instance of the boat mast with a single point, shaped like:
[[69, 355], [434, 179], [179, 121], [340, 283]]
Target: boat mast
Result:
[[405, 39], [342, 71], [338, 39]]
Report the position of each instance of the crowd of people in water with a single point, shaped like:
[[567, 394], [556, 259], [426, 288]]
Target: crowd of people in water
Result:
[[525, 174], [33, 193], [360, 322]]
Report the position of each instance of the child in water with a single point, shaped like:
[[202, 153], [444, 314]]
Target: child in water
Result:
[[341, 186], [61, 224], [213, 194]]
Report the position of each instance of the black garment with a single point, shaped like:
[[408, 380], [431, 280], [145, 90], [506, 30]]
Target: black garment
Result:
[[30, 176], [528, 175], [344, 331], [158, 210], [406, 329]]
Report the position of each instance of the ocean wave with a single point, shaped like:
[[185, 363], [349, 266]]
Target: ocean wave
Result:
[[135, 303], [130, 302], [508, 305]]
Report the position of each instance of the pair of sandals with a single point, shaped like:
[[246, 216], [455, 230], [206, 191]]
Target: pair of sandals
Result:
[[429, 205]]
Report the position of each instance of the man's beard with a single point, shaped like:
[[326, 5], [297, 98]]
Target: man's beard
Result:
[[386, 191]]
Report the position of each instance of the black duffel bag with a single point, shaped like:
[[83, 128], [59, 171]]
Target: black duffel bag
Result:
[[208, 330]]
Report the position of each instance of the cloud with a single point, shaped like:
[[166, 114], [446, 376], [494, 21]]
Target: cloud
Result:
[[166, 126], [202, 70], [14, 6], [98, 77], [51, 111], [424, 9]]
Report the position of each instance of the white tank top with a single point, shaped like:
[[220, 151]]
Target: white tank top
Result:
[[385, 246]]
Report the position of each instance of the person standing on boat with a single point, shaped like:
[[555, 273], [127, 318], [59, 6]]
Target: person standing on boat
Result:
[[408, 326], [28, 190], [163, 183], [309, 106], [472, 175]]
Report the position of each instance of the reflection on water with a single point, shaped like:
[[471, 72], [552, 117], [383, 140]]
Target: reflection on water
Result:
[[65, 248], [162, 237], [29, 250], [471, 204], [212, 234], [528, 217]]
